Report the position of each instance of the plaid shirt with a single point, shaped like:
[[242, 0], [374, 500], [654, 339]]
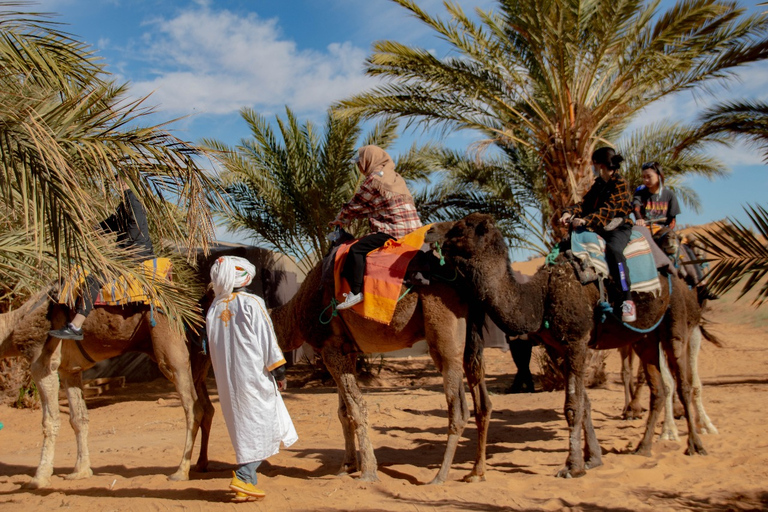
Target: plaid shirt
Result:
[[395, 216], [604, 202]]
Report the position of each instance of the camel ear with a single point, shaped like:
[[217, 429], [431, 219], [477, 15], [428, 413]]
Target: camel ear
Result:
[[437, 232]]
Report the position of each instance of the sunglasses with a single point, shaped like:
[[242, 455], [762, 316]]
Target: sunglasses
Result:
[[651, 165]]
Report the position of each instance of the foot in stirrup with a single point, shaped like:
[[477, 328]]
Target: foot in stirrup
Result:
[[350, 299], [628, 312], [70, 332]]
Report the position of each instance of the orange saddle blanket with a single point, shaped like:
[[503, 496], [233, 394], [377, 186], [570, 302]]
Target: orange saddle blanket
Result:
[[385, 269]]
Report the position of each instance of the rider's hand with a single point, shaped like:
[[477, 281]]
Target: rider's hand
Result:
[[565, 218], [640, 222], [578, 222], [282, 385]]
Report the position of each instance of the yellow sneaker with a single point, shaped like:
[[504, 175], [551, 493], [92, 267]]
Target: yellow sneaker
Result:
[[242, 498], [245, 489]]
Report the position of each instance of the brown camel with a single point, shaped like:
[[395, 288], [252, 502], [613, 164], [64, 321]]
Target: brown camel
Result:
[[108, 332], [434, 312], [558, 308]]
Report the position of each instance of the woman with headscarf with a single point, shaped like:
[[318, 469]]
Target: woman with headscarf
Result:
[[244, 351], [383, 198]]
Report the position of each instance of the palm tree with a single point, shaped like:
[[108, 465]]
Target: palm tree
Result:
[[558, 77], [744, 119], [737, 253], [286, 189], [66, 131]]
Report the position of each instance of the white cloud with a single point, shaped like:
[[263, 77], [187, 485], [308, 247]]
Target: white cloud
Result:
[[216, 62]]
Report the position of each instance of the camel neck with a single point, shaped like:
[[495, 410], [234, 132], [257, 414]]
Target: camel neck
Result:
[[516, 307]]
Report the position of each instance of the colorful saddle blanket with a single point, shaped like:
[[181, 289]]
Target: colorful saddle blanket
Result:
[[589, 247], [384, 273], [121, 291]]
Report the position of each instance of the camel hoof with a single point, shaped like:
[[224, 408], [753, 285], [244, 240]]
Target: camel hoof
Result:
[[473, 477], [346, 469], [593, 463], [178, 476], [79, 475], [645, 452], [37, 483], [571, 473], [696, 451], [709, 430], [632, 414], [669, 436], [372, 477], [201, 467]]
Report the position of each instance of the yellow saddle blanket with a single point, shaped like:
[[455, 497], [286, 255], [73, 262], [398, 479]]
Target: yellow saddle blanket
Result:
[[122, 290]]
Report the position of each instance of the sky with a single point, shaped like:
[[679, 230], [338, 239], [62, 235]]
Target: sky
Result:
[[204, 60]]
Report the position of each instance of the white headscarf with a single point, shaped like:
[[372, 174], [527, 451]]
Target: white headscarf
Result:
[[230, 272]]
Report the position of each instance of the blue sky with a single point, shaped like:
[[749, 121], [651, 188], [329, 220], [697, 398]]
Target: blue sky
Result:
[[207, 59]]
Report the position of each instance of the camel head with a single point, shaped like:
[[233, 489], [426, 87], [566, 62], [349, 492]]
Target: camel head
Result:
[[468, 241]]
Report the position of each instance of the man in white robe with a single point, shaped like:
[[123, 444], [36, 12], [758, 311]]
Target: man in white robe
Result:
[[244, 351]]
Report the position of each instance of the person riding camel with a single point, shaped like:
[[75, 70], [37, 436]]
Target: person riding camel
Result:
[[383, 198], [129, 222], [605, 210], [653, 203]]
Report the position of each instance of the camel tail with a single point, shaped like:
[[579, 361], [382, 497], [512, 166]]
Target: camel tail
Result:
[[708, 335]]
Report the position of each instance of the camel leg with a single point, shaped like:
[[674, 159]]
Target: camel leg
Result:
[[475, 372], [173, 360], [353, 411], [44, 373], [694, 347], [205, 424], [575, 403], [668, 428], [350, 462], [648, 350], [593, 454], [78, 419], [458, 411], [633, 387], [521, 349], [201, 365], [675, 349]]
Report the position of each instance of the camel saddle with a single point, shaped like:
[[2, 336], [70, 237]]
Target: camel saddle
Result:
[[385, 272], [644, 259], [120, 291]]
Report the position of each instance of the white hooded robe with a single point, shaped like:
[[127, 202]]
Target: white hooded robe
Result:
[[244, 350]]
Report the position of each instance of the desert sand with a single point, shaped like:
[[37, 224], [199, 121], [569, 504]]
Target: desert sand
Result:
[[136, 436]]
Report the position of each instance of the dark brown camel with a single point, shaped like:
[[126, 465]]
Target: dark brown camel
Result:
[[558, 308], [108, 332], [434, 312]]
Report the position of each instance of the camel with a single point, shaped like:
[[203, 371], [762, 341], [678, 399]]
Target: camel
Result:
[[108, 331], [435, 312], [555, 306]]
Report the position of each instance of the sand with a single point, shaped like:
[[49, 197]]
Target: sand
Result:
[[136, 440]]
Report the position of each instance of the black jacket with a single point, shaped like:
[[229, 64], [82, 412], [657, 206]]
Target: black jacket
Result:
[[130, 223]]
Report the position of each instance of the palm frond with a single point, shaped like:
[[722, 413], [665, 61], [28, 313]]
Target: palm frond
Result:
[[738, 253]]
